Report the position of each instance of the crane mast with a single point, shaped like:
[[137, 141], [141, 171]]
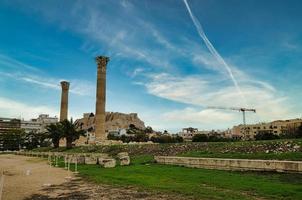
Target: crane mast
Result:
[[243, 110]]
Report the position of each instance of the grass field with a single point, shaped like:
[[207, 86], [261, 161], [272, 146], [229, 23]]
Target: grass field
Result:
[[197, 183]]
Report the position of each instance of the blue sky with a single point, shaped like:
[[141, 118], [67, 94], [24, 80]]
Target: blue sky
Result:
[[161, 67]]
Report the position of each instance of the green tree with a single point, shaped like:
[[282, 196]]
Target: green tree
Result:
[[299, 132], [148, 129], [167, 139], [12, 140], [132, 129], [200, 138], [266, 136], [55, 133], [70, 132]]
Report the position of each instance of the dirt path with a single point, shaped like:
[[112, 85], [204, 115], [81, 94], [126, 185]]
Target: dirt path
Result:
[[26, 178]]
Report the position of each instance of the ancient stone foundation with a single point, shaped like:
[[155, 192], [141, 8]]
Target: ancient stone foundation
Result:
[[102, 159], [233, 164]]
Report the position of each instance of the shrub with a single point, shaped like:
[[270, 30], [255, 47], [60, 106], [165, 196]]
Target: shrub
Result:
[[200, 138], [293, 133], [18, 139], [212, 138], [139, 137], [266, 136], [299, 132], [112, 137], [166, 139]]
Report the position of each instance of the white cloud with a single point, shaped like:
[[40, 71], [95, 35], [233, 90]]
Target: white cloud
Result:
[[47, 83], [126, 4], [214, 52], [198, 117], [203, 92], [181, 89], [12, 108], [136, 72], [204, 59]]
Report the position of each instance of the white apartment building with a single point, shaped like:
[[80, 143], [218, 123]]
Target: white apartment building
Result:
[[39, 124], [188, 133], [277, 127]]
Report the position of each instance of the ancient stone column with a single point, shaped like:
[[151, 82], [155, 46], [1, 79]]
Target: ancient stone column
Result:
[[64, 101], [100, 113]]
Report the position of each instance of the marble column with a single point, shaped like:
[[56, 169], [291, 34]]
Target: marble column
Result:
[[100, 113]]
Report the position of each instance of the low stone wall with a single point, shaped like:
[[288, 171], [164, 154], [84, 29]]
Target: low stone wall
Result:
[[232, 164], [81, 158]]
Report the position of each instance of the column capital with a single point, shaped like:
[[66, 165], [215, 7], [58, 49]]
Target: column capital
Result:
[[65, 85], [102, 62]]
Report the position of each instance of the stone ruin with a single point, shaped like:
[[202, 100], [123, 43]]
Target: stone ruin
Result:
[[104, 160]]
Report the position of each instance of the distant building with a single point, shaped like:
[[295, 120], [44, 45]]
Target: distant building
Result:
[[188, 133], [277, 127], [39, 124], [118, 132], [30, 126], [9, 124], [46, 120], [222, 133]]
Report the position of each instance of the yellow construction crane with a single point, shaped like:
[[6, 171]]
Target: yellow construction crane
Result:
[[243, 110]]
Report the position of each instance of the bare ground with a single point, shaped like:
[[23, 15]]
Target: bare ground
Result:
[[27, 178]]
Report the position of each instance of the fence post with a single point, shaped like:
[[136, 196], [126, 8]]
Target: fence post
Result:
[[76, 166], [1, 185]]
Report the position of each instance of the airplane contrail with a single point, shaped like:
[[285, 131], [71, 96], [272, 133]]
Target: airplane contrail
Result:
[[213, 50]]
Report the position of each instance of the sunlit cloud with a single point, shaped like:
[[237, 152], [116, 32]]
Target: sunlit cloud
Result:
[[198, 91], [16, 109]]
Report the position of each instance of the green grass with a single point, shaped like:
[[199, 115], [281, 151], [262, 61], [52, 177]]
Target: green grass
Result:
[[197, 183], [264, 156]]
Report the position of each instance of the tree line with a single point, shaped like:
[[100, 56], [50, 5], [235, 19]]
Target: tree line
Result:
[[18, 139]]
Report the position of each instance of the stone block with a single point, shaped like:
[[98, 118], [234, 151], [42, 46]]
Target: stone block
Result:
[[122, 154], [107, 162], [91, 160], [79, 159], [100, 155], [125, 160]]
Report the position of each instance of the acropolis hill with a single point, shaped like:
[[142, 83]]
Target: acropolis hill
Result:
[[114, 121]]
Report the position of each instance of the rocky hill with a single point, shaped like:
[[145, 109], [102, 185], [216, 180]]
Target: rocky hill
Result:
[[114, 121]]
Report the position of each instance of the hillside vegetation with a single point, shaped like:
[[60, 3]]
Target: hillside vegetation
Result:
[[273, 149]]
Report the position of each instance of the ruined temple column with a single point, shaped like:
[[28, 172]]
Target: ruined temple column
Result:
[[64, 101], [100, 113]]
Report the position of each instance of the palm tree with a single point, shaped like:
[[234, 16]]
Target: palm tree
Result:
[[55, 132], [71, 132]]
